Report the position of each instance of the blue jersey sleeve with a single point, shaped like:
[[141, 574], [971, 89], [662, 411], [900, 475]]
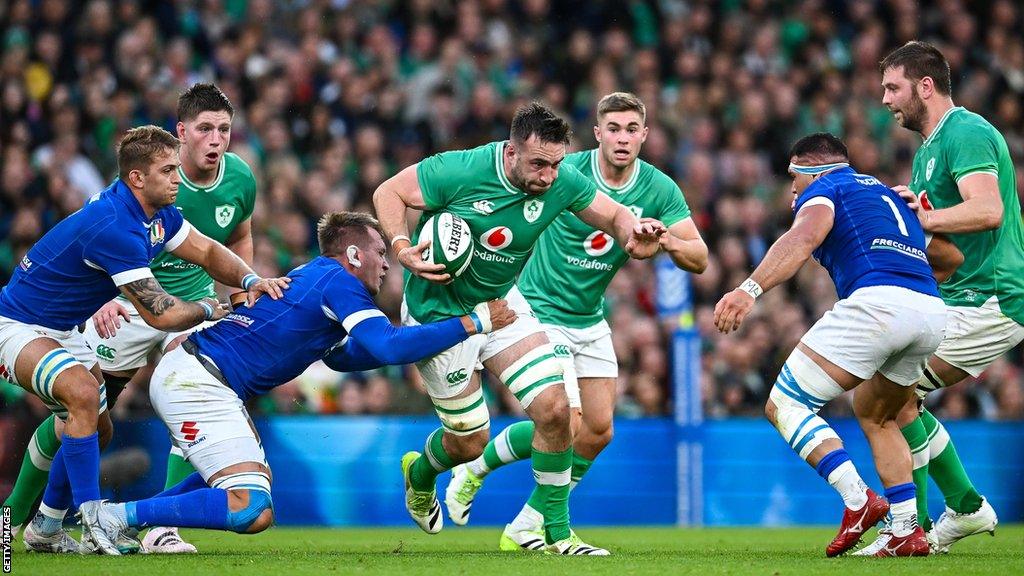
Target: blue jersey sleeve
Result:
[[176, 228], [124, 258], [820, 191], [407, 344], [351, 357]]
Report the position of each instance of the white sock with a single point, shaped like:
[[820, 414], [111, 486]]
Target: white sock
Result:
[[848, 483], [479, 467], [528, 519], [904, 517], [52, 519]]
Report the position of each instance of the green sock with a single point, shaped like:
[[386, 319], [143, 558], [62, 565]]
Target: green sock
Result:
[[177, 469], [433, 461], [580, 465], [917, 439], [946, 469], [35, 470], [510, 445], [552, 471]]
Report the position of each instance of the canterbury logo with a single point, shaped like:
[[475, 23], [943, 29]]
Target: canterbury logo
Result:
[[457, 376], [105, 352], [190, 430]]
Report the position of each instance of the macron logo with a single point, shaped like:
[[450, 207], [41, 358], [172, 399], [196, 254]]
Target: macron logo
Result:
[[190, 430]]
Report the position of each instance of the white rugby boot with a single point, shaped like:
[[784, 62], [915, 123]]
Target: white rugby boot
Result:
[[166, 540], [59, 542], [100, 529], [461, 491], [952, 527]]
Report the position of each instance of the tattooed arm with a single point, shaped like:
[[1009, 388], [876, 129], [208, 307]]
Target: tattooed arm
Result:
[[169, 313]]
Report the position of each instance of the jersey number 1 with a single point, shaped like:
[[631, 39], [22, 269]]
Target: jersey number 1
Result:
[[896, 213]]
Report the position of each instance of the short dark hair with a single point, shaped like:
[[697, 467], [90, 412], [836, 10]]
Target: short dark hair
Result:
[[621, 102], [337, 230], [199, 98], [822, 147], [920, 59], [139, 145], [537, 119]]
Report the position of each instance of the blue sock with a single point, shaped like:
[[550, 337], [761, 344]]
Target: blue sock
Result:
[[82, 460], [901, 493], [58, 489], [831, 461], [202, 508], [193, 481]]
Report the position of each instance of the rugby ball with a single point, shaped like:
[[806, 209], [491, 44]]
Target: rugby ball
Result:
[[451, 242]]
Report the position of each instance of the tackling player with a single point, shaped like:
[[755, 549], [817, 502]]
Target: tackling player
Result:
[[73, 270], [508, 192], [563, 283], [963, 186], [199, 389], [216, 195], [877, 338]]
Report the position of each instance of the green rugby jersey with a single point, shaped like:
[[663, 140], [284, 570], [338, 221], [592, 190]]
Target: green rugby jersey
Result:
[[504, 220], [964, 143], [565, 279], [215, 210]]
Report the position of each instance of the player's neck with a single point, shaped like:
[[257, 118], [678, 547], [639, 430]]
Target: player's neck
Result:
[[147, 209], [195, 175], [936, 113], [613, 175]]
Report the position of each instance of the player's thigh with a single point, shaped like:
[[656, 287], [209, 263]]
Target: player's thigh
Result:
[[128, 349], [975, 337], [878, 399], [523, 359], [921, 331], [565, 349], [208, 422]]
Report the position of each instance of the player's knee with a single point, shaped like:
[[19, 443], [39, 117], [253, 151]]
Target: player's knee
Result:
[[770, 411], [80, 395], [249, 511], [598, 435], [551, 409], [537, 377]]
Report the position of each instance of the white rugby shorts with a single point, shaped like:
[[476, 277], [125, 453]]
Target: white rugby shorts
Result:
[[885, 329]]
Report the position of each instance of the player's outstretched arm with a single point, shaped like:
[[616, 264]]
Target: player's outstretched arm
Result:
[[982, 208], [391, 200], [639, 238], [685, 246], [240, 242], [783, 260], [227, 267], [169, 313], [375, 342]]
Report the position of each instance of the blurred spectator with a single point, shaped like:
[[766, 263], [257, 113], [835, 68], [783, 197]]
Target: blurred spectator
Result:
[[334, 97]]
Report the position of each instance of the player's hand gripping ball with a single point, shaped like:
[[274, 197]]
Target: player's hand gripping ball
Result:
[[451, 242]]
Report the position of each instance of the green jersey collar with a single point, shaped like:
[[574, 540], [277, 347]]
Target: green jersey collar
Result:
[[216, 181], [942, 122], [499, 167], [595, 167]]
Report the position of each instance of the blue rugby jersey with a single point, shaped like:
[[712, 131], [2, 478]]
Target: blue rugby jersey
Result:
[[876, 239], [77, 267], [262, 347]]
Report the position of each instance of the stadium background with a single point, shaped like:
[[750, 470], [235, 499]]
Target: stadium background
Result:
[[333, 97]]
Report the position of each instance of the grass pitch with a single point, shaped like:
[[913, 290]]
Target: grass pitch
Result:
[[461, 551]]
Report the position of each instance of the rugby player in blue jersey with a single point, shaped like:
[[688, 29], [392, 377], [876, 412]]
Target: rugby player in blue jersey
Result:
[[76, 268], [199, 389], [877, 338]]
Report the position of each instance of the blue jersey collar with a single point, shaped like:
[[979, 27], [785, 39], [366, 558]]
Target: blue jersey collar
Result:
[[121, 191]]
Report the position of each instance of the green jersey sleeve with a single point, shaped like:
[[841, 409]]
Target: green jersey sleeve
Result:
[[248, 195], [439, 177], [675, 208], [585, 190], [974, 150]]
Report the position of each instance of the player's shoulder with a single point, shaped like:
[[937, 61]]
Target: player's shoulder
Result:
[[653, 177], [484, 155], [963, 124], [236, 167], [580, 159]]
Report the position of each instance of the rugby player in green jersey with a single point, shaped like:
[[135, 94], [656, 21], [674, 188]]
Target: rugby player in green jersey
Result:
[[508, 193], [217, 195], [564, 284], [962, 186]]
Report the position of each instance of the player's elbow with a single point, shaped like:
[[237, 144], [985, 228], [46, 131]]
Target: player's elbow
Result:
[[700, 259], [383, 195], [994, 216]]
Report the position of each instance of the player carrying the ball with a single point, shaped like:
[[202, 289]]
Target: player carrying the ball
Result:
[[509, 193], [564, 284]]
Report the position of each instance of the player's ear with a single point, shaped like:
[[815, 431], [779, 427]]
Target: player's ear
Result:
[[136, 178], [352, 253], [181, 130], [597, 133]]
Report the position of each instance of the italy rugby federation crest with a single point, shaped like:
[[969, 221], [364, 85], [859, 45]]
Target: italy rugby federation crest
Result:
[[223, 214], [156, 232], [532, 210]]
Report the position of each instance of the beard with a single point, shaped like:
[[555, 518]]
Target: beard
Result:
[[915, 112]]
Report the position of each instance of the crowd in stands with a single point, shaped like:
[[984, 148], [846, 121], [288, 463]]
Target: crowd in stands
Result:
[[334, 96]]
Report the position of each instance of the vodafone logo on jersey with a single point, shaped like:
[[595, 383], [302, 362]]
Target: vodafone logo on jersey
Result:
[[496, 238], [598, 244]]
